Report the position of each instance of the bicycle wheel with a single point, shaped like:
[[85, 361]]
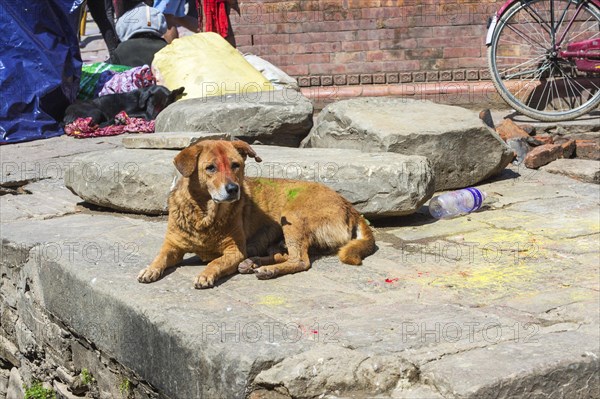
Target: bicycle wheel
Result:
[[525, 63]]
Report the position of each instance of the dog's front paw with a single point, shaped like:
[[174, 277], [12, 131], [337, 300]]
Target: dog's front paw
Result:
[[149, 275], [265, 272], [247, 266], [203, 281]]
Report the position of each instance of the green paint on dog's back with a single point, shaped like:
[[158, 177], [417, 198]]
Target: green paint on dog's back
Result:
[[292, 193]]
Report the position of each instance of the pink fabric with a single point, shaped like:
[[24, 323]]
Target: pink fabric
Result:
[[124, 82], [83, 128]]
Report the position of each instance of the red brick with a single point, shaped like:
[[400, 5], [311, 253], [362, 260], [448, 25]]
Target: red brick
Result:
[[393, 78], [271, 39], [472, 74], [446, 75], [381, 12], [327, 80], [342, 58], [432, 41], [379, 78], [433, 76], [353, 79], [305, 59], [447, 64], [332, 47], [243, 40], [484, 74], [339, 80], [406, 77], [543, 155], [544, 138], [304, 81], [419, 76], [398, 44], [587, 149], [507, 129], [327, 68], [472, 62], [420, 53], [459, 52], [361, 45], [296, 70], [286, 28], [317, 37]]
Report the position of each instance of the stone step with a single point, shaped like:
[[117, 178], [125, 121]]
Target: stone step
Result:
[[334, 329], [585, 170], [279, 117], [463, 151], [139, 181], [170, 140]]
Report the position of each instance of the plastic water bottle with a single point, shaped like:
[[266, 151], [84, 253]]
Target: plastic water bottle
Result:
[[455, 203]]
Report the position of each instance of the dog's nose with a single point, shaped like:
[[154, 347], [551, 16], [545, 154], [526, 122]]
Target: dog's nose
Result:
[[232, 188]]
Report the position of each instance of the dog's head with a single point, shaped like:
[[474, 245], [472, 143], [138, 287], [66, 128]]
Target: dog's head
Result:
[[216, 166], [156, 98]]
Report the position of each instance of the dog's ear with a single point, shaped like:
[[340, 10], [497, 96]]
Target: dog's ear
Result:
[[177, 92], [186, 161], [245, 150], [173, 95]]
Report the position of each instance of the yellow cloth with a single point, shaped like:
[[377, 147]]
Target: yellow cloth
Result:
[[206, 65]]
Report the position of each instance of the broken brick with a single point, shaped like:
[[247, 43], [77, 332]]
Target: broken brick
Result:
[[545, 138], [568, 148], [587, 149], [543, 155], [507, 129]]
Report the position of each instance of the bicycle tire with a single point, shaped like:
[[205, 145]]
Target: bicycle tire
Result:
[[536, 47]]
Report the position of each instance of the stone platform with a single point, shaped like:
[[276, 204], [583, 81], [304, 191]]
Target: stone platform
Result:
[[501, 303]]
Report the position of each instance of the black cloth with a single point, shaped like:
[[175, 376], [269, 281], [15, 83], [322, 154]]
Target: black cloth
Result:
[[137, 51]]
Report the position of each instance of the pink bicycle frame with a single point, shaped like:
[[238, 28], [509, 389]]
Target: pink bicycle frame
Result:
[[585, 53]]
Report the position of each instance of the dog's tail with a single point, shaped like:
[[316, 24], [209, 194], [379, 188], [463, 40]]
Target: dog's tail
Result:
[[360, 247]]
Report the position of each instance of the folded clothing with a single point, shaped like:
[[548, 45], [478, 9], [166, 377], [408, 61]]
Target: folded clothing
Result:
[[132, 79], [94, 76]]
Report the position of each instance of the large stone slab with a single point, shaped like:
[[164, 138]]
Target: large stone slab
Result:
[[462, 149], [170, 140], [586, 170], [500, 304], [378, 184], [281, 117], [125, 180]]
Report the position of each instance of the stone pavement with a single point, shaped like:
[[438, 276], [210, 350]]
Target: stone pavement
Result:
[[497, 304]]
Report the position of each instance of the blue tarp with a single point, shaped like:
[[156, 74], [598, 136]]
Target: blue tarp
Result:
[[40, 66]]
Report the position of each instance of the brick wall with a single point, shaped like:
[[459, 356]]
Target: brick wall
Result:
[[349, 42]]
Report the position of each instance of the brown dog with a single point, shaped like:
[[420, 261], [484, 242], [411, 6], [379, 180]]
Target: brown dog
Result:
[[225, 218]]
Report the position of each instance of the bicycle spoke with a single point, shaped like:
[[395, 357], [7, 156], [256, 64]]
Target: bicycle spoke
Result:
[[537, 18], [523, 64], [597, 34], [561, 19], [531, 41]]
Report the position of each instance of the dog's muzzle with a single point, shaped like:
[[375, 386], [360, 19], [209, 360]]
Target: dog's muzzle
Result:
[[230, 192]]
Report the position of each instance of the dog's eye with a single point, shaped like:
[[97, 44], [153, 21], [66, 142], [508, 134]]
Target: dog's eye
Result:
[[211, 168], [235, 165]]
